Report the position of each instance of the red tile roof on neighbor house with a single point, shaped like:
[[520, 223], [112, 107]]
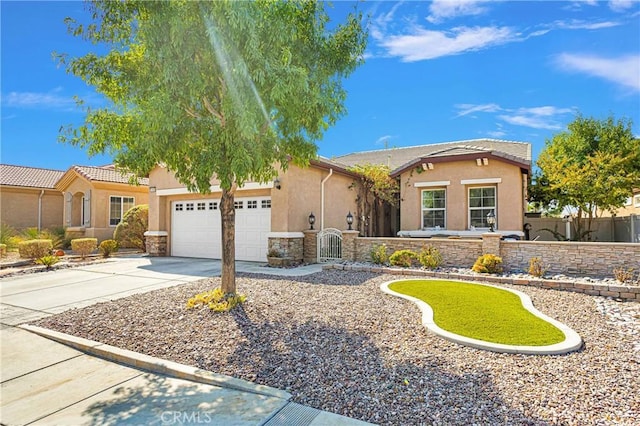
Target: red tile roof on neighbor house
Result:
[[30, 177], [106, 174]]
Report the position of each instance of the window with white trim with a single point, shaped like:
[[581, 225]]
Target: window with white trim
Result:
[[252, 204], [266, 204], [118, 206], [482, 200], [213, 205], [434, 208], [201, 206]]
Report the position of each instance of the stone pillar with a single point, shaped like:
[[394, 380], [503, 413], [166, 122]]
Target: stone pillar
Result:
[[349, 245], [310, 246], [491, 243], [156, 242], [288, 245]]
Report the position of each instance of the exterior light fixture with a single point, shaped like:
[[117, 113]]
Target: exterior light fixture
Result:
[[152, 189], [276, 183], [350, 220], [312, 220], [491, 220]]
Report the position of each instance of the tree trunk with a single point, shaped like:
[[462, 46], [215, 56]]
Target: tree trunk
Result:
[[228, 216]]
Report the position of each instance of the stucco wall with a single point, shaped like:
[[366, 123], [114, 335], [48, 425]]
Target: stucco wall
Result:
[[19, 208], [510, 193]]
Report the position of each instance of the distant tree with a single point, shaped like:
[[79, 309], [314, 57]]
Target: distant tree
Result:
[[230, 89], [375, 188], [594, 165]]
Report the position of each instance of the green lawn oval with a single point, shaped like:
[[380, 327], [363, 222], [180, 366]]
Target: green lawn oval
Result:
[[481, 312]]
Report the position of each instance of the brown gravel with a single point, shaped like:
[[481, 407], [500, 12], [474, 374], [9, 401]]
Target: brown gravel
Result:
[[337, 343]]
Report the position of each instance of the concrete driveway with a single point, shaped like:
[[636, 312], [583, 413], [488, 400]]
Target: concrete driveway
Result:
[[46, 382]]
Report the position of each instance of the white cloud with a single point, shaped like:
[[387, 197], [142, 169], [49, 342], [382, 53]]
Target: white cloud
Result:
[[577, 24], [544, 117], [425, 44], [620, 5], [49, 100], [624, 71], [447, 9], [466, 109], [541, 117]]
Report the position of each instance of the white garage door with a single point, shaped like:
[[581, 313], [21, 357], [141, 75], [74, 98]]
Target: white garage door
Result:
[[196, 232]]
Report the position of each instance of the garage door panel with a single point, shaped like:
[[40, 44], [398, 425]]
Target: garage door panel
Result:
[[196, 230]]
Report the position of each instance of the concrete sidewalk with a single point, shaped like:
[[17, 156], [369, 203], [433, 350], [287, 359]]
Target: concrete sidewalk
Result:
[[47, 382]]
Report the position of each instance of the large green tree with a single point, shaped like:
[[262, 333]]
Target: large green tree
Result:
[[593, 166], [231, 89]]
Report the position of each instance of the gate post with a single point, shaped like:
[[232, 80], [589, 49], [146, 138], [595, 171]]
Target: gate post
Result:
[[310, 246], [349, 245]]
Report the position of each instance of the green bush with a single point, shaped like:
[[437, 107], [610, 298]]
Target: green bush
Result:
[[488, 264], [216, 300], [30, 234], [6, 234], [56, 235], [48, 260], [84, 246], [130, 231], [430, 257], [34, 249], [379, 254], [404, 258], [107, 247]]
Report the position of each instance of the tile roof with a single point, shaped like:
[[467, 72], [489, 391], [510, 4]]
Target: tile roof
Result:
[[31, 177], [396, 157], [106, 174]]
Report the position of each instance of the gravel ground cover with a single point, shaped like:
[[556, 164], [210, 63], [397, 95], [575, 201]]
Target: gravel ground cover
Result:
[[337, 343]]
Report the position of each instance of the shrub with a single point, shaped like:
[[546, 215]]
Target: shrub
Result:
[[7, 234], [30, 233], [379, 254], [107, 247], [216, 300], [84, 246], [430, 257], [536, 267], [3, 250], [48, 260], [56, 235], [130, 231], [624, 275], [34, 249], [404, 258], [488, 264]]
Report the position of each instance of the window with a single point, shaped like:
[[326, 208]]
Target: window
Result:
[[201, 206], [434, 208], [266, 204], [481, 202], [179, 207], [238, 204], [189, 206], [252, 204], [118, 206], [213, 206]]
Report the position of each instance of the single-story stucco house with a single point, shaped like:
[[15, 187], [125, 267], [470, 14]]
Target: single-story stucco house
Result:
[[444, 188], [96, 198], [29, 198]]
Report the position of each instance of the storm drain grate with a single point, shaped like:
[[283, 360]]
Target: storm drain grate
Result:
[[293, 414]]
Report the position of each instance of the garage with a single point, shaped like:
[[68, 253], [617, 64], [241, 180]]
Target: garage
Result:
[[196, 232]]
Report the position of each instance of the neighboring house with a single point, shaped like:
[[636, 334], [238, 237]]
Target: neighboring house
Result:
[[28, 197], [631, 206], [96, 198], [449, 187], [188, 224]]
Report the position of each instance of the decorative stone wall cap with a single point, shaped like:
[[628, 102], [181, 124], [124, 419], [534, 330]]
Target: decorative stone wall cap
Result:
[[351, 232], [311, 231], [156, 234], [285, 235]]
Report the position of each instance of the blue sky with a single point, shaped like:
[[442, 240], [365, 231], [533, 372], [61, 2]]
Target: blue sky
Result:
[[435, 72]]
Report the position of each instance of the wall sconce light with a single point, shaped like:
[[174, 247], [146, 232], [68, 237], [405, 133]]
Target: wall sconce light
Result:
[[491, 220], [312, 220], [276, 183], [152, 189], [485, 161], [430, 166], [350, 220]]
